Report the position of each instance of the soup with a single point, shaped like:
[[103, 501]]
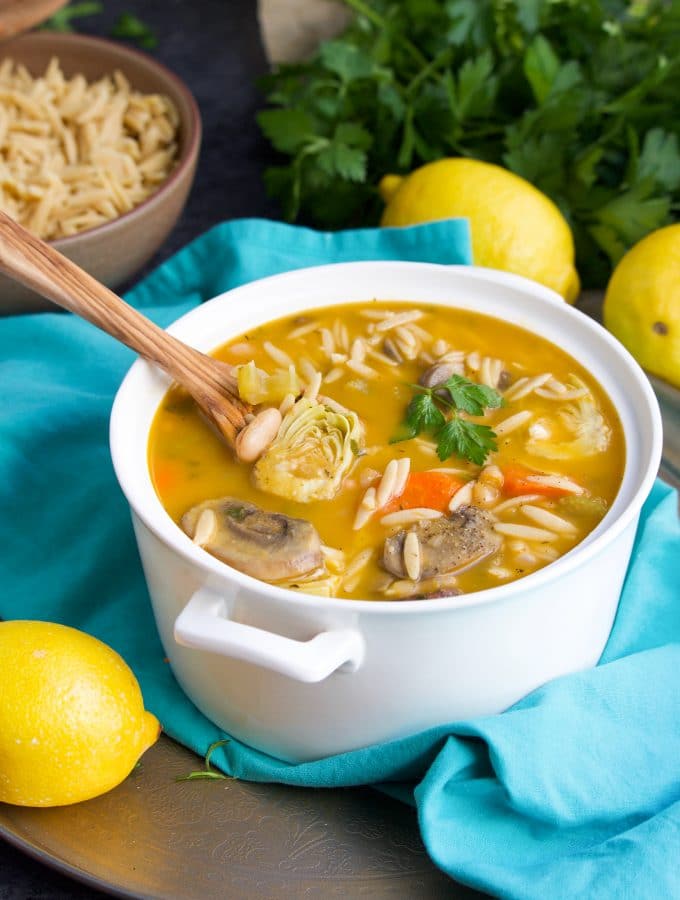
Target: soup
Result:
[[396, 452]]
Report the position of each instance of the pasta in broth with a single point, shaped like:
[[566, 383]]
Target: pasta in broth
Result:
[[463, 452]]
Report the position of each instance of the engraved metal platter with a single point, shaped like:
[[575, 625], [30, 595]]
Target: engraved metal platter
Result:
[[154, 837]]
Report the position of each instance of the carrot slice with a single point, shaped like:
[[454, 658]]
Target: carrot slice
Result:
[[517, 481], [429, 489]]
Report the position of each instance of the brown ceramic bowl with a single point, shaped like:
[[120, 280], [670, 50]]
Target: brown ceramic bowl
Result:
[[114, 251]]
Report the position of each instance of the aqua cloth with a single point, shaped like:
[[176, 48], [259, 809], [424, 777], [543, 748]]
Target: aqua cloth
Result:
[[574, 792]]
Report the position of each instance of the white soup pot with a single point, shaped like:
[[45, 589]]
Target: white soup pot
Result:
[[302, 677]]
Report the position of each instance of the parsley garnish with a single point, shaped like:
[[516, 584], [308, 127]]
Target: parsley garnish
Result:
[[62, 19], [471, 397], [130, 27], [580, 98], [436, 411], [207, 773]]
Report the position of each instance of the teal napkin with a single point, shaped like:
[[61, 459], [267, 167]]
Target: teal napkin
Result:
[[574, 792]]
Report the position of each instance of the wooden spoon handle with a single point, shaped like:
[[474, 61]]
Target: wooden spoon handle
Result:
[[43, 269]]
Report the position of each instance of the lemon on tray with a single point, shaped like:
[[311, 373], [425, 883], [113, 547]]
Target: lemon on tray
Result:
[[642, 303], [513, 225], [72, 718]]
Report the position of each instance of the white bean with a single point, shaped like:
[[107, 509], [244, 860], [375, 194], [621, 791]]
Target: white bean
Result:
[[484, 494], [491, 475], [254, 439]]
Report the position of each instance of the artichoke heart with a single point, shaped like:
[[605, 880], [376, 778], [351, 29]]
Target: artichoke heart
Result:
[[590, 432], [311, 454]]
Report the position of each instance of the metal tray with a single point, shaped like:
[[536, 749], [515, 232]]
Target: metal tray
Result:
[[153, 837]]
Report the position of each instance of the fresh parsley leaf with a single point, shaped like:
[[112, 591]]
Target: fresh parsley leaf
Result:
[[476, 86], [660, 159], [423, 414], [131, 28], [633, 214], [287, 129], [455, 436], [62, 19], [539, 159], [352, 134], [541, 65], [467, 25], [345, 154], [471, 397], [585, 165], [347, 61], [529, 14], [467, 440]]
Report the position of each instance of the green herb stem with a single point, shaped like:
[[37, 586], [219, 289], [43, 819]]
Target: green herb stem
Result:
[[380, 22], [207, 774], [439, 62]]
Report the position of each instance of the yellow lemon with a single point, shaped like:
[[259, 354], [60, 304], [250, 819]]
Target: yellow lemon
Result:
[[642, 303], [72, 718], [513, 225]]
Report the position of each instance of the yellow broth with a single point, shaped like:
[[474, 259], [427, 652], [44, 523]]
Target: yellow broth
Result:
[[189, 464]]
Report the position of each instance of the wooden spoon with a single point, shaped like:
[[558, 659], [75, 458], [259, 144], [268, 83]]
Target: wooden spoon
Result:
[[43, 269]]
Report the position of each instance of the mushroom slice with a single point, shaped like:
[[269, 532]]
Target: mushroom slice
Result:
[[438, 373], [266, 545], [447, 544], [439, 594]]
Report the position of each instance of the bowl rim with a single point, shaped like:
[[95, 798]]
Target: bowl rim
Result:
[[193, 126], [170, 534]]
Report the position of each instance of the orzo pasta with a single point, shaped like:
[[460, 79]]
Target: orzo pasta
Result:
[[75, 154]]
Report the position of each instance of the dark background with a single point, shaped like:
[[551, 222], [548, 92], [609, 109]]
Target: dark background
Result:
[[214, 45]]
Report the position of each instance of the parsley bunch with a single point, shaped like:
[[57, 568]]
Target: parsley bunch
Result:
[[455, 436], [580, 97]]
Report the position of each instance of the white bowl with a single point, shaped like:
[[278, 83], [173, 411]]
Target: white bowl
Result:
[[303, 677]]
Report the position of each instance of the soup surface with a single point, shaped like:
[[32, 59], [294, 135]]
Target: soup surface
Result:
[[381, 450]]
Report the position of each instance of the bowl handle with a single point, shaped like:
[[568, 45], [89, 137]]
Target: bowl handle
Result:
[[204, 624]]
